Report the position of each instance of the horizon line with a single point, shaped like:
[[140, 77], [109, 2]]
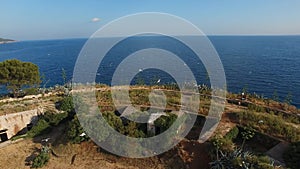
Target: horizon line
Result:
[[208, 35]]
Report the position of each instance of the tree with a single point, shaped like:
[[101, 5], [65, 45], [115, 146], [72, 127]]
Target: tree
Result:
[[16, 75]]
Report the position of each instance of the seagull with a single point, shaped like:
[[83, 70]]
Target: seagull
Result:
[[158, 81], [82, 135], [140, 70]]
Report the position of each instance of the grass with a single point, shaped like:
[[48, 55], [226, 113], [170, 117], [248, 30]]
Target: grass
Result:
[[18, 137], [270, 124], [276, 125]]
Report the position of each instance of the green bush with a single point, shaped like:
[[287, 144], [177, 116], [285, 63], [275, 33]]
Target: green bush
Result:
[[222, 144], [75, 130], [40, 160], [41, 127], [54, 118], [45, 123], [164, 122], [67, 104], [232, 134]]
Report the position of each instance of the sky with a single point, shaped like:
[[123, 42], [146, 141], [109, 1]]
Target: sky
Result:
[[58, 19]]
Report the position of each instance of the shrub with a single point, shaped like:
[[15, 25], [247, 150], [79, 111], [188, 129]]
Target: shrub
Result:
[[40, 160], [164, 122], [232, 134], [67, 104], [41, 127], [222, 144], [45, 123], [75, 130], [54, 118], [239, 159]]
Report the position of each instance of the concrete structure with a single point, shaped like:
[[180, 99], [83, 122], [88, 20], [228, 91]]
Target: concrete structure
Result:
[[11, 124]]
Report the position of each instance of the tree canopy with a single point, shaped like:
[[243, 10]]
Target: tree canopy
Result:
[[16, 75]]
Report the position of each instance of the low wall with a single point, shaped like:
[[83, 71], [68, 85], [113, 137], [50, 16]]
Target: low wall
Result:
[[16, 122]]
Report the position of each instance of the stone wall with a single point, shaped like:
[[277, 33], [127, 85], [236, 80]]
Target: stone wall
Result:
[[16, 122]]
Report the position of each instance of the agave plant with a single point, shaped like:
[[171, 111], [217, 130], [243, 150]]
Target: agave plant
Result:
[[237, 158]]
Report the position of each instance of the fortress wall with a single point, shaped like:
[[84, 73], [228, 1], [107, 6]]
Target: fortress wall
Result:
[[17, 121]]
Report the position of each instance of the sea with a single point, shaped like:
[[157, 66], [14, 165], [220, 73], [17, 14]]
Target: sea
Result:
[[260, 64]]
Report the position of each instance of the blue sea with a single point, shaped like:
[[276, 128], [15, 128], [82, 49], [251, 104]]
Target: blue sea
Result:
[[261, 64]]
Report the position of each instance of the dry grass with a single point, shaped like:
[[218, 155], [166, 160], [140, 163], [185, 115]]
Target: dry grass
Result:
[[81, 156]]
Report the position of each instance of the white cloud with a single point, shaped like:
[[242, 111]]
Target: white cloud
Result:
[[95, 20]]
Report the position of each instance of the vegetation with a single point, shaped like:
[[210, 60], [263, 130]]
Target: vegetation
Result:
[[247, 134], [226, 154], [46, 123], [164, 122], [222, 144], [42, 159], [17, 75], [229, 156], [75, 131], [239, 159], [267, 123], [54, 119], [232, 134], [67, 104], [41, 127]]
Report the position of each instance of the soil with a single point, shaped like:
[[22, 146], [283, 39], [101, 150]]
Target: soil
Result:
[[194, 154]]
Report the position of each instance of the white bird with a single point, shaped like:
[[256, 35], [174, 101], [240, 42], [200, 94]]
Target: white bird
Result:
[[158, 81]]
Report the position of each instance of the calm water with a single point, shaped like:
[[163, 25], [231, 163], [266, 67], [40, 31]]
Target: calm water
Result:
[[262, 64]]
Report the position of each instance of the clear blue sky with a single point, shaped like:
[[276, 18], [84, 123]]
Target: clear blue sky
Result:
[[54, 19]]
